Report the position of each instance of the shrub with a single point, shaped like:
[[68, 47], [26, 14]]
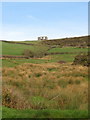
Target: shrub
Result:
[[38, 74], [77, 81], [40, 53], [62, 83], [28, 53], [36, 54], [52, 69], [70, 81], [81, 59]]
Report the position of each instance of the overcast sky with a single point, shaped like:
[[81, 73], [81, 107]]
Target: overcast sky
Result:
[[28, 20]]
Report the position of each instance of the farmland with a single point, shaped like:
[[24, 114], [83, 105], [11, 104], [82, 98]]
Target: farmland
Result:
[[46, 85]]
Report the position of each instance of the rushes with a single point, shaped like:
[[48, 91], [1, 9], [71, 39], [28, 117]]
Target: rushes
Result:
[[41, 86]]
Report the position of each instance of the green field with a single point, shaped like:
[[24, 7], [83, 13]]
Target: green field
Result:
[[13, 62], [13, 113], [68, 49], [18, 49], [52, 59]]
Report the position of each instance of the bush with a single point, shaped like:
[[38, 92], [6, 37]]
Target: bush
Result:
[[38, 74], [81, 59], [36, 54], [28, 53]]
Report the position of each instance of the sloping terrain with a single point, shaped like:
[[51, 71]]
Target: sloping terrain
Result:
[[46, 86], [82, 41]]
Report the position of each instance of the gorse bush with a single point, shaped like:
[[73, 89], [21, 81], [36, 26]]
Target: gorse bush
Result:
[[82, 59], [12, 99], [28, 53], [34, 54]]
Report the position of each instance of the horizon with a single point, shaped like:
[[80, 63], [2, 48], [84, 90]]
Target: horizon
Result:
[[56, 20], [49, 39]]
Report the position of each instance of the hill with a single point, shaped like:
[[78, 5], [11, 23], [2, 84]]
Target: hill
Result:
[[44, 84], [74, 41]]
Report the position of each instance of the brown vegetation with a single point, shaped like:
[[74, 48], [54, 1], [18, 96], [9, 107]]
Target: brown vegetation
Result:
[[45, 86], [74, 41], [82, 59]]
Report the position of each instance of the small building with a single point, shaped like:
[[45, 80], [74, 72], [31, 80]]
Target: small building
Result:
[[43, 38]]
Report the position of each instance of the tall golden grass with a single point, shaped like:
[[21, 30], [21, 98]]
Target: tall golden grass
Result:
[[45, 86]]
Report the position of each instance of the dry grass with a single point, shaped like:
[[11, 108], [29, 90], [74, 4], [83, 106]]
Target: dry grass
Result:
[[49, 85]]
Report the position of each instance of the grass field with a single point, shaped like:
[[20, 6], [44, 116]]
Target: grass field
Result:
[[46, 59], [18, 49], [15, 62], [13, 113], [68, 49]]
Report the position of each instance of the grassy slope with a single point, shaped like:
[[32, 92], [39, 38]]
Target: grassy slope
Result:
[[12, 62], [68, 49], [74, 41], [48, 59], [17, 49], [32, 42], [13, 113]]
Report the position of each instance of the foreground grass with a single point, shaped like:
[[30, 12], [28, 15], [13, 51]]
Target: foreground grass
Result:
[[47, 113], [45, 86]]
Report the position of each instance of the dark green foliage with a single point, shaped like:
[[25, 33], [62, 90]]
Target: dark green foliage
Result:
[[28, 53], [81, 59], [52, 69], [32, 54], [38, 74], [77, 81]]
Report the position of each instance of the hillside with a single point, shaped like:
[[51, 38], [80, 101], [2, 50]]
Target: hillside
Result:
[[46, 84], [74, 41], [48, 46]]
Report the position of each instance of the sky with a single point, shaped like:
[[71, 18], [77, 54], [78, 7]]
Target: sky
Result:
[[29, 20]]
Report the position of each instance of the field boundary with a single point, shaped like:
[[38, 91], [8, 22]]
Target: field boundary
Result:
[[26, 57], [17, 42]]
